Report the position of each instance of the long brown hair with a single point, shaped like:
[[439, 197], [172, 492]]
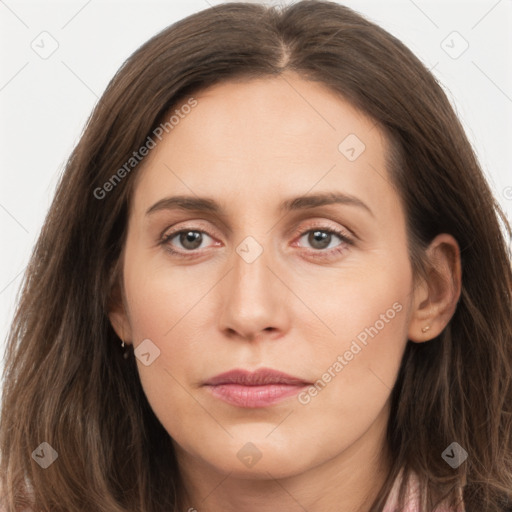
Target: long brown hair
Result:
[[65, 380]]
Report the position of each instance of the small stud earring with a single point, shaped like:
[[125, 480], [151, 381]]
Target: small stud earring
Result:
[[425, 329]]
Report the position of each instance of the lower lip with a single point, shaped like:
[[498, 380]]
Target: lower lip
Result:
[[254, 396]]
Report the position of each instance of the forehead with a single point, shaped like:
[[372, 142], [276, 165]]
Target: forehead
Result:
[[263, 137]]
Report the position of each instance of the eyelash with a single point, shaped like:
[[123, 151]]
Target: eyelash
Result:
[[316, 253]]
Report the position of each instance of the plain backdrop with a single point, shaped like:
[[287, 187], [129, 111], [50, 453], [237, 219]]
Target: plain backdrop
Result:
[[57, 58]]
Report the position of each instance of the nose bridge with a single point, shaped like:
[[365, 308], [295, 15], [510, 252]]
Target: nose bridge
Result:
[[251, 276], [252, 299], [254, 251]]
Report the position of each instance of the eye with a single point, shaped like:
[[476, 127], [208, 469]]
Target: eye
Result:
[[319, 238], [323, 241], [189, 239]]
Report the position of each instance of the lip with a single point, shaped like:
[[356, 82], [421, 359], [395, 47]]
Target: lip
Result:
[[261, 388]]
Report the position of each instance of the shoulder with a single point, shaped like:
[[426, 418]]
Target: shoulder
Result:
[[412, 497], [3, 509]]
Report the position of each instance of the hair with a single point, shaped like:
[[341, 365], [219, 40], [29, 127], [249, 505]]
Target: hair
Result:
[[65, 379]]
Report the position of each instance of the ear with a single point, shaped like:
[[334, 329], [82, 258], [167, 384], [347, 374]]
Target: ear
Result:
[[435, 299], [117, 313]]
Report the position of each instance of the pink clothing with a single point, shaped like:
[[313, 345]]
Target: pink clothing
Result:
[[411, 503]]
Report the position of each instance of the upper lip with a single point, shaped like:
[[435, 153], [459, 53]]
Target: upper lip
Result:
[[260, 377]]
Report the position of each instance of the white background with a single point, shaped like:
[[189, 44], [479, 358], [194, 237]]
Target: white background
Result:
[[44, 102]]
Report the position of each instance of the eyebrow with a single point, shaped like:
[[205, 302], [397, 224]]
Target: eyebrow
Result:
[[206, 204]]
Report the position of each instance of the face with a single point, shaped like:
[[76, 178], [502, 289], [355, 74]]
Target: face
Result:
[[317, 289]]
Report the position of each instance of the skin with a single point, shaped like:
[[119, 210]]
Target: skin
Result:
[[250, 145]]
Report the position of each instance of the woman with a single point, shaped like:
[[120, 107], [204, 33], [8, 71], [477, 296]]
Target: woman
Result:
[[368, 373]]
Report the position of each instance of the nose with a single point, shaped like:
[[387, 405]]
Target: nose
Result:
[[253, 299]]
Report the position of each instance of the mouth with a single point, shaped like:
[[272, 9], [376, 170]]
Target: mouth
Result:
[[261, 388]]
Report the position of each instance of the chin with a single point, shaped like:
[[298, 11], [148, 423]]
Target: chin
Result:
[[258, 460]]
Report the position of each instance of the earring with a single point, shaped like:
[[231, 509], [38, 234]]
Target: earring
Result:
[[425, 329], [125, 353]]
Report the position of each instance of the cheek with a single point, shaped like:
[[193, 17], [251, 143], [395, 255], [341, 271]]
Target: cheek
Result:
[[160, 297], [367, 310], [356, 372], [166, 309], [366, 298], [364, 355], [161, 309]]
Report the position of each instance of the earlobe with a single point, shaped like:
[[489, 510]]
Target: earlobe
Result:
[[436, 297], [118, 316], [120, 324]]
